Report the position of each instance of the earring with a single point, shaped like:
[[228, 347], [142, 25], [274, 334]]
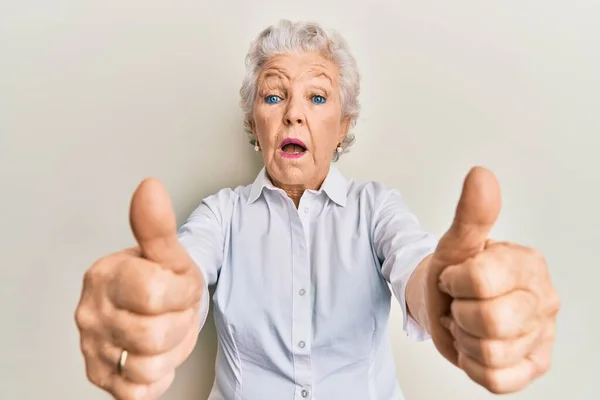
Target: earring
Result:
[[339, 148], [256, 147]]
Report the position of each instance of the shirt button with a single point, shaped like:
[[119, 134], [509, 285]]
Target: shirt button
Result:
[[304, 393], [301, 292], [305, 210], [301, 344]]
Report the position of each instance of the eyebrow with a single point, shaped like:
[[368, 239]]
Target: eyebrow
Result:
[[320, 74]]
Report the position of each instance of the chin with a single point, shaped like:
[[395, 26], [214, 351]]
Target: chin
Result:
[[290, 173], [294, 175]]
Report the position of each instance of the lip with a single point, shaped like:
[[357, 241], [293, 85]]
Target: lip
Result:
[[291, 141]]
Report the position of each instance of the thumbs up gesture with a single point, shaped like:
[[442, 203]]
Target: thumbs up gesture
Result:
[[138, 315], [491, 306]]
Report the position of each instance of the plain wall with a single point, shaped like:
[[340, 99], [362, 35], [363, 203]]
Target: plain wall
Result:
[[97, 95]]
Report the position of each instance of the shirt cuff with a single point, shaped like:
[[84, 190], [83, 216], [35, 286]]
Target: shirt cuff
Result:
[[204, 306], [411, 327], [415, 331]]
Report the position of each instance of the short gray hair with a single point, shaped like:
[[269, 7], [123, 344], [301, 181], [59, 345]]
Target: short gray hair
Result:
[[286, 37]]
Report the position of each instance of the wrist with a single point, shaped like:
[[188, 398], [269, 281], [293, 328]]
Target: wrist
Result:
[[416, 294]]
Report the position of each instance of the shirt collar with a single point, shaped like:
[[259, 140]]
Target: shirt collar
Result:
[[334, 186]]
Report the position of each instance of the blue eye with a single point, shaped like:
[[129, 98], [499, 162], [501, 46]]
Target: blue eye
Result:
[[318, 99], [272, 99]]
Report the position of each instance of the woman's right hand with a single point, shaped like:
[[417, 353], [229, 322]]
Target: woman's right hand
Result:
[[144, 301]]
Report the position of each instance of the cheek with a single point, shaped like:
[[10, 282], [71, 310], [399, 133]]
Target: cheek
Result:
[[260, 119], [266, 125], [327, 136]]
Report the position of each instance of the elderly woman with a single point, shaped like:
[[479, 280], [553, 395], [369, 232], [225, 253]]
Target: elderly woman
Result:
[[304, 262]]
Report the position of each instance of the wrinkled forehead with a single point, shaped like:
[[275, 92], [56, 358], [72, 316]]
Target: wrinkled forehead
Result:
[[299, 67]]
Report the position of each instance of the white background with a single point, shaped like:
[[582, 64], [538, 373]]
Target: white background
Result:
[[97, 95]]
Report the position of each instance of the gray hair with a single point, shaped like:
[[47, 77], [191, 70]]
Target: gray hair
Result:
[[286, 37]]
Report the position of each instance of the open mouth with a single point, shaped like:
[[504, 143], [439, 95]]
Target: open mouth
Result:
[[292, 148]]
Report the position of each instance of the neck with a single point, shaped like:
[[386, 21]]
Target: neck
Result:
[[295, 191]]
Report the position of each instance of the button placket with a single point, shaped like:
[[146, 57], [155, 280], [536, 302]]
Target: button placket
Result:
[[302, 321], [303, 392]]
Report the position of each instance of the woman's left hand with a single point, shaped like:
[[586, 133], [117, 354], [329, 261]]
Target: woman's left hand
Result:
[[491, 306]]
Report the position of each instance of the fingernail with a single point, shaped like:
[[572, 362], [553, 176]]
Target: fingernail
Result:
[[445, 321]]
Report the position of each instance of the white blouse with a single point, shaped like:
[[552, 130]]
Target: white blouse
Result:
[[302, 296]]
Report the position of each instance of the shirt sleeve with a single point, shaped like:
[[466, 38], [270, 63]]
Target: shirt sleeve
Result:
[[203, 236], [401, 244]]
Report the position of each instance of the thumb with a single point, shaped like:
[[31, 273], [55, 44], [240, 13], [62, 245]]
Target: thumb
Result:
[[154, 226], [476, 213]]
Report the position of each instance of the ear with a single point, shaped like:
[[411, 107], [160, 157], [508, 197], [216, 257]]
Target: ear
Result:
[[250, 125], [344, 129]]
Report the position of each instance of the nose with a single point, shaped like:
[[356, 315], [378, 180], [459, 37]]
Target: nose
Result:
[[292, 121], [294, 114]]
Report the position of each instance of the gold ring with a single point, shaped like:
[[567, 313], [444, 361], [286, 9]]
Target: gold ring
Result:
[[121, 364]]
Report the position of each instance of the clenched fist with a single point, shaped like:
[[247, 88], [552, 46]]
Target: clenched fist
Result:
[[139, 308], [491, 306]]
